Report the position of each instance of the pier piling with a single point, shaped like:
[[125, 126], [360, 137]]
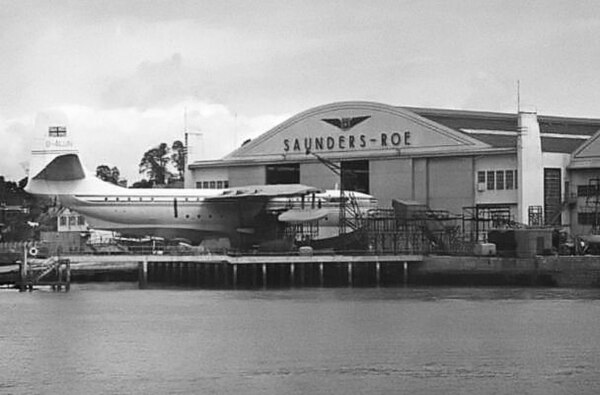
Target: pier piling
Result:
[[143, 273], [350, 274], [264, 275], [234, 275], [321, 279]]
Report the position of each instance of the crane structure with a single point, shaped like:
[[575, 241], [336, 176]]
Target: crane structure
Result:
[[349, 214]]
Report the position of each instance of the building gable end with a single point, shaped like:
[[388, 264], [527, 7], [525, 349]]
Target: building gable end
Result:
[[588, 154], [354, 128]]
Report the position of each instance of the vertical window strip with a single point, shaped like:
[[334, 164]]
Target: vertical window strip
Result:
[[509, 180], [490, 180], [500, 180], [481, 177]]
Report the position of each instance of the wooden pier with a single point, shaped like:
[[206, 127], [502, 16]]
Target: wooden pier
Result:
[[255, 272], [53, 272]]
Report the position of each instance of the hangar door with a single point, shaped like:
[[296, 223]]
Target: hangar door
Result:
[[355, 175], [288, 173]]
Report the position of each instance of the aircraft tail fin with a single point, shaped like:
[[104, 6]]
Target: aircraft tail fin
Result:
[[54, 167], [53, 155]]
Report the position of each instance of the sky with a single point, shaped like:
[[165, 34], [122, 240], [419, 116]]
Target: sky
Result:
[[130, 75]]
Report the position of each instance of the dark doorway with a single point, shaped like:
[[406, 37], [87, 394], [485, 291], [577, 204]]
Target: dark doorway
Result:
[[287, 173], [355, 175], [552, 196]]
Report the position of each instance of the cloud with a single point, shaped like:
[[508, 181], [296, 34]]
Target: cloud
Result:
[[490, 92], [152, 84], [120, 136], [132, 67]]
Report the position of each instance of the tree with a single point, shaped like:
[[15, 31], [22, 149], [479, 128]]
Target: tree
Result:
[[154, 164], [108, 174], [22, 209], [178, 157]]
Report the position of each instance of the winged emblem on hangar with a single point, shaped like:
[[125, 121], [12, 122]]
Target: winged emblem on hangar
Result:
[[346, 123]]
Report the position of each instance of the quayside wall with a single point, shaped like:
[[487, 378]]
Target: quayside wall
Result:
[[479, 271], [572, 271], [560, 271]]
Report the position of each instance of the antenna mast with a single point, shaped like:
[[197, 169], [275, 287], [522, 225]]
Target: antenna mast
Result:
[[185, 136], [518, 96]]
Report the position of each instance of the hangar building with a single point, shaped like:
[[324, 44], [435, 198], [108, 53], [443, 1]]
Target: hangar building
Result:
[[538, 168]]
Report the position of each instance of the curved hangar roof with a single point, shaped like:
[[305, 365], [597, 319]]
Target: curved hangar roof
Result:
[[559, 134], [364, 129]]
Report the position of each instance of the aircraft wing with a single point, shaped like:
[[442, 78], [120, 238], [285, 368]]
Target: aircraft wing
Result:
[[263, 191]]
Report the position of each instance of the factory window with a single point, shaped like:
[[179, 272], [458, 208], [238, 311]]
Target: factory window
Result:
[[490, 181], [587, 190], [500, 180], [481, 177], [509, 180], [355, 175], [287, 173], [212, 184], [497, 179], [63, 221]]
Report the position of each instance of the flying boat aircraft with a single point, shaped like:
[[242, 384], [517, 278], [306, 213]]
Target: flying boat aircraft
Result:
[[240, 213]]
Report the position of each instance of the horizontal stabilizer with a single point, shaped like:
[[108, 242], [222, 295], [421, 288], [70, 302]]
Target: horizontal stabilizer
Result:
[[302, 215]]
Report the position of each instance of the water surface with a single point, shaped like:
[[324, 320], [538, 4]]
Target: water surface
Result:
[[114, 338]]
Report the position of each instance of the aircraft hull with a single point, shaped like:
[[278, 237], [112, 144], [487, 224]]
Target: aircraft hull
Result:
[[170, 217]]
